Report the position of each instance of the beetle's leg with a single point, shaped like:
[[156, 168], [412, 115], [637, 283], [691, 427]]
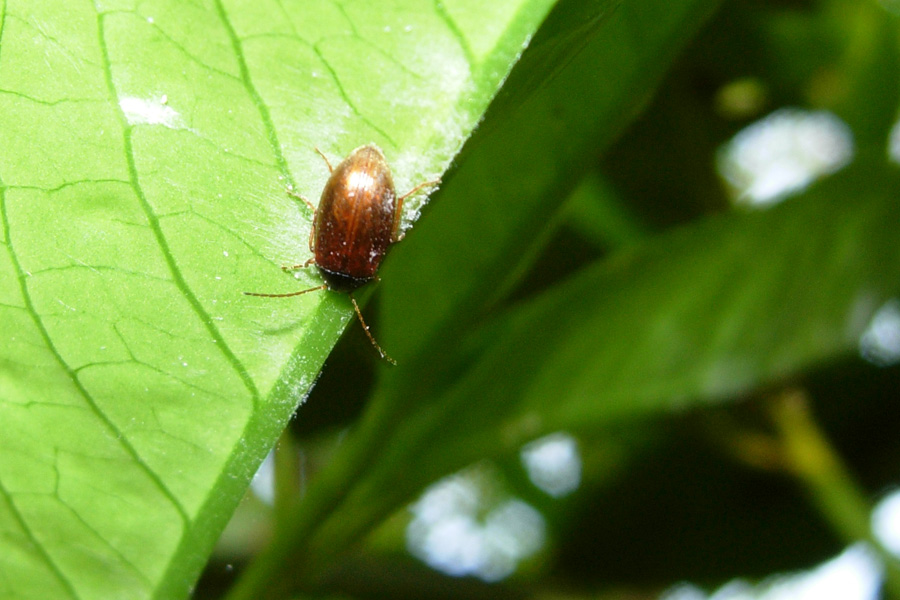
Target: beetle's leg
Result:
[[419, 187], [315, 289], [295, 267], [369, 334], [294, 194], [396, 236], [325, 158], [312, 231]]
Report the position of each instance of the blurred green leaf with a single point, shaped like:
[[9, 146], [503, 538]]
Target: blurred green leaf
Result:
[[144, 155], [705, 313], [700, 315]]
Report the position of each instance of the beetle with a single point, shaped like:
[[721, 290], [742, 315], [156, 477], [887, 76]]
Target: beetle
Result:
[[357, 220]]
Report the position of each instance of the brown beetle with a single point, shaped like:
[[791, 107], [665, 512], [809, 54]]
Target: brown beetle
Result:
[[358, 218]]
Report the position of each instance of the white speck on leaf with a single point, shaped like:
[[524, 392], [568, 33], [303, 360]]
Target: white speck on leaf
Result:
[[139, 111]]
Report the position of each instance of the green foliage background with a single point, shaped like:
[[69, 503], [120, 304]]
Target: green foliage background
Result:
[[580, 269]]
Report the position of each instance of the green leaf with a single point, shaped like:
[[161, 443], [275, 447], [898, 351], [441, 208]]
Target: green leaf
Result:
[[144, 155]]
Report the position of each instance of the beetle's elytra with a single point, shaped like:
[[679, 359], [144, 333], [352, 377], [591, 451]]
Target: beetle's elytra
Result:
[[357, 219]]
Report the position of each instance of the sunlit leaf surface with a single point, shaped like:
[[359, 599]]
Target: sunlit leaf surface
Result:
[[145, 152]]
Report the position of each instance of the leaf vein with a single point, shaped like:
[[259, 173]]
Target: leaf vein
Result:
[[21, 275], [441, 11], [159, 236], [261, 107], [181, 48], [125, 560], [346, 98], [27, 299]]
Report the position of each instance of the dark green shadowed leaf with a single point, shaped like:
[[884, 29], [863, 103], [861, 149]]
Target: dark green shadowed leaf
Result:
[[699, 315], [145, 150], [769, 295]]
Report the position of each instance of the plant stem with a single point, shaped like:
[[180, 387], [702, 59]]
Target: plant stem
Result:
[[839, 499], [266, 578]]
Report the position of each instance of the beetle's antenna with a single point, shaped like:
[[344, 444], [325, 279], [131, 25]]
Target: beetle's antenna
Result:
[[325, 158], [315, 289], [368, 334]]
